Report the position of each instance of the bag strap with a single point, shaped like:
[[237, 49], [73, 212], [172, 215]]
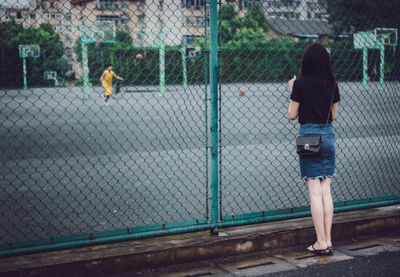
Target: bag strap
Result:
[[329, 113]]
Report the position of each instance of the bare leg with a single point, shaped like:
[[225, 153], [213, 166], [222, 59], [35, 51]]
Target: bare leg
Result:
[[317, 212], [328, 209]]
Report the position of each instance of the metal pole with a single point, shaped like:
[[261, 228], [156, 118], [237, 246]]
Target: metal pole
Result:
[[184, 69], [24, 72], [85, 71], [207, 169], [382, 65], [214, 114], [44, 59], [2, 68], [162, 63], [365, 67]]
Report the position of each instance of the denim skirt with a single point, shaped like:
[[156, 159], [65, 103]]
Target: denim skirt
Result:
[[323, 165]]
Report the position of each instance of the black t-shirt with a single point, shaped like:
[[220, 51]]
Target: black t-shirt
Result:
[[314, 101]]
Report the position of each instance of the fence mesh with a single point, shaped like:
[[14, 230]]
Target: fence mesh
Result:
[[73, 163]]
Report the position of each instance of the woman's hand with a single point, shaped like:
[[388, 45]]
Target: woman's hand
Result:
[[291, 81]]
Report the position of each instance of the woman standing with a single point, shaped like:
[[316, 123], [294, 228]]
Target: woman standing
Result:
[[314, 101]]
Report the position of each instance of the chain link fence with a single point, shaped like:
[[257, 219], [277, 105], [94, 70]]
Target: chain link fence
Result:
[[76, 168]]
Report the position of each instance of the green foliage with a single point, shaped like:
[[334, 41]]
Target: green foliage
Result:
[[228, 12], [124, 37], [243, 32], [12, 35], [255, 18]]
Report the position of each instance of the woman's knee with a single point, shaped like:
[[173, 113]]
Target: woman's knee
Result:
[[314, 187]]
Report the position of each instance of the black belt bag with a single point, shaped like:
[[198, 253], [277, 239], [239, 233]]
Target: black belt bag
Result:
[[309, 145]]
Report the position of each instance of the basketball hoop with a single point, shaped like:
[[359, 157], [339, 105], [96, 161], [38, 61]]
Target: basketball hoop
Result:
[[98, 41]]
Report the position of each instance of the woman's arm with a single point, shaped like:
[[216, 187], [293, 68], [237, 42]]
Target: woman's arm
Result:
[[293, 111], [101, 77], [334, 110]]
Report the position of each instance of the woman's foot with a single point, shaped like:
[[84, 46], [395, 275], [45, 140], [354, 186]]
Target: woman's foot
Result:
[[329, 245], [317, 246], [319, 252]]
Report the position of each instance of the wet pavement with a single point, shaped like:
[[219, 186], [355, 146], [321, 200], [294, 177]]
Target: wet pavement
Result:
[[365, 256]]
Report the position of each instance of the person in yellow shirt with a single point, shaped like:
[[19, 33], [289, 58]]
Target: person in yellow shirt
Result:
[[106, 81]]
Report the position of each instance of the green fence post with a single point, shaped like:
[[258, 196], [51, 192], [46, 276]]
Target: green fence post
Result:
[[365, 67], [184, 68], [3, 83], [382, 65], [162, 63], [44, 59], [214, 114], [24, 72], [85, 69]]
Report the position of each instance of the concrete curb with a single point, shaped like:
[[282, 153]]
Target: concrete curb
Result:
[[128, 256]]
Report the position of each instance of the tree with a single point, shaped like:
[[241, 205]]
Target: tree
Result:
[[230, 22], [249, 31], [361, 15], [255, 18], [13, 34]]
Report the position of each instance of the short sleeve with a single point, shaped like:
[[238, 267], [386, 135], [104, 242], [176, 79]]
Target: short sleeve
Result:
[[336, 97], [296, 94]]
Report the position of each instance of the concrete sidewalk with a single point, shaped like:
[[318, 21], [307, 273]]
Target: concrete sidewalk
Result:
[[123, 257]]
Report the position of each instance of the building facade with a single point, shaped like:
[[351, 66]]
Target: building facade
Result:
[[296, 9]]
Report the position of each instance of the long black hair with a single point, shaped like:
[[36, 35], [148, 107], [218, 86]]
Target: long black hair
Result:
[[316, 66]]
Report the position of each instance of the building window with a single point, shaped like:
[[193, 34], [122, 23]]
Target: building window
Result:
[[52, 15], [189, 39], [244, 4], [284, 3], [192, 3], [107, 5], [108, 18], [194, 20]]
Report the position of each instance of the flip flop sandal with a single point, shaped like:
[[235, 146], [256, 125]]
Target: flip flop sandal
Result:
[[325, 252]]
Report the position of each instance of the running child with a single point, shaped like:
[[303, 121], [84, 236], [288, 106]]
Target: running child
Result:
[[106, 81]]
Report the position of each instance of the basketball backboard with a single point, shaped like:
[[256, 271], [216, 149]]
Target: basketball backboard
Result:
[[387, 36], [32, 51], [148, 38], [98, 32], [365, 39]]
